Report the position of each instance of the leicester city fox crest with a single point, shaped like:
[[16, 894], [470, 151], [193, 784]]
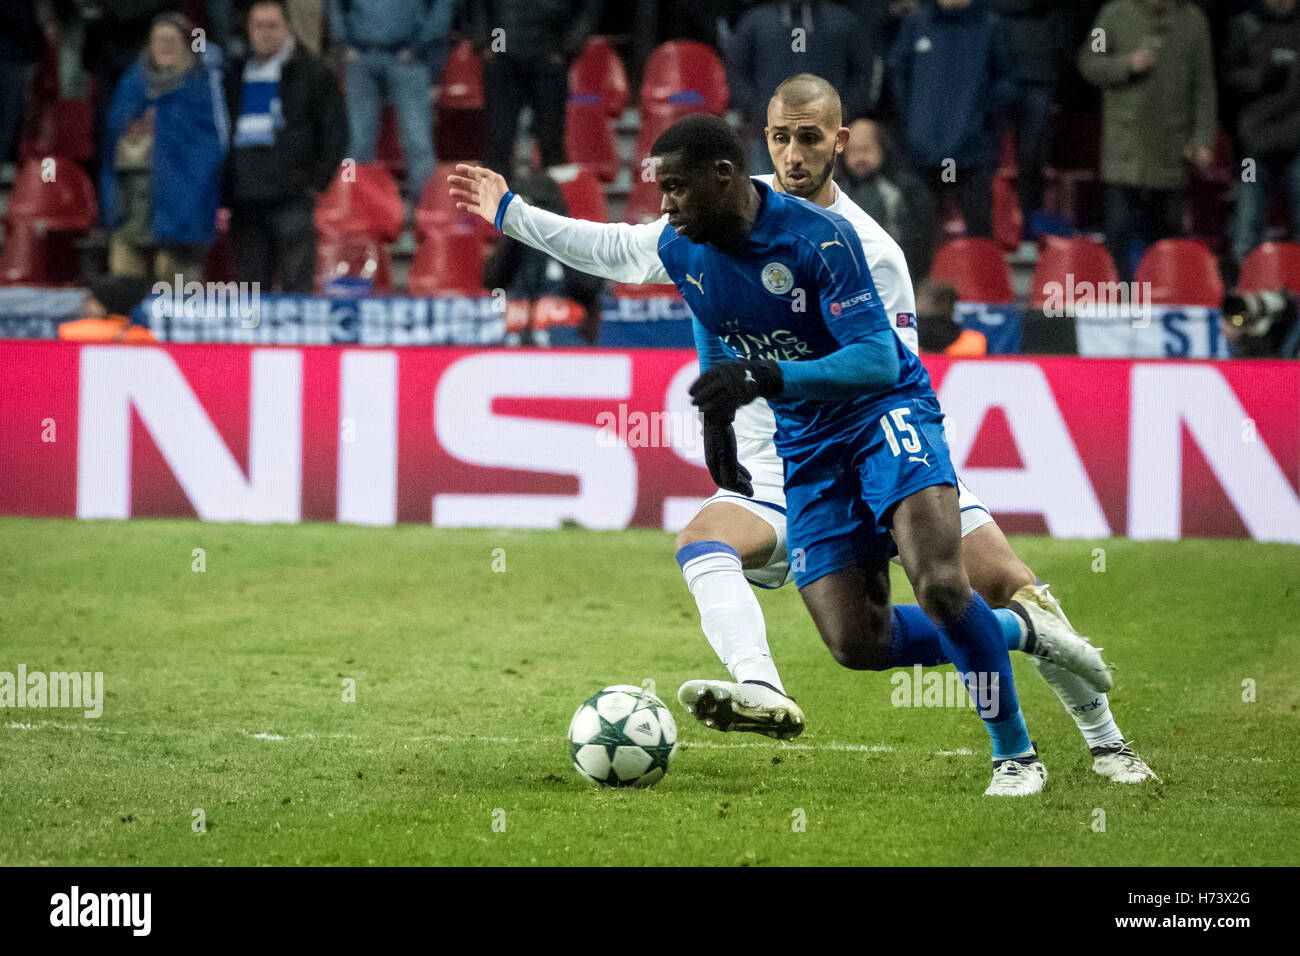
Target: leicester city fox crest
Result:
[[777, 279]]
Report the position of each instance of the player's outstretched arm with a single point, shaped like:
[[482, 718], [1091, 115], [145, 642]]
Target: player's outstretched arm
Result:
[[478, 190], [616, 251]]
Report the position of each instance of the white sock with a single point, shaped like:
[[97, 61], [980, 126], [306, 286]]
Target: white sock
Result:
[[1090, 709], [729, 612]]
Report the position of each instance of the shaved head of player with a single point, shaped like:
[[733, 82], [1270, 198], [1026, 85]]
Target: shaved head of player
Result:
[[805, 133], [707, 193]]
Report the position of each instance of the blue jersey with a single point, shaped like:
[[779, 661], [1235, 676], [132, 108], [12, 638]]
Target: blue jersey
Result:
[[798, 289]]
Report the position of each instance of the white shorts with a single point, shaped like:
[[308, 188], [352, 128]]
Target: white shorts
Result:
[[767, 474]]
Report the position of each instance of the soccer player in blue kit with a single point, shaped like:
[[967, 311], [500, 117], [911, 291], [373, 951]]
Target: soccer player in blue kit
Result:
[[786, 310], [903, 636]]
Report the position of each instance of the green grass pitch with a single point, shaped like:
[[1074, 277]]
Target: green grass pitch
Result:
[[225, 693]]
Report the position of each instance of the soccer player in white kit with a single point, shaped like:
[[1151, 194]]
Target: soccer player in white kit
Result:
[[805, 135]]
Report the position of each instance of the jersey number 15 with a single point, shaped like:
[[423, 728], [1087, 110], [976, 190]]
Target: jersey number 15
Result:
[[911, 444]]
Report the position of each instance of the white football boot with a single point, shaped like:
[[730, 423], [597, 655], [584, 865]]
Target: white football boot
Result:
[[1053, 639], [1119, 762], [726, 706], [1020, 777]]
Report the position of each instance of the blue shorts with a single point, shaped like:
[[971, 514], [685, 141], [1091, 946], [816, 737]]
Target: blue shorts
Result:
[[839, 496]]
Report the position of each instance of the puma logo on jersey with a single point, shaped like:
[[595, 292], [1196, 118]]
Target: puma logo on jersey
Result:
[[698, 283], [833, 242], [922, 459]]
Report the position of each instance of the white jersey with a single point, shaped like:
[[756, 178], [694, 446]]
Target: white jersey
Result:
[[630, 253]]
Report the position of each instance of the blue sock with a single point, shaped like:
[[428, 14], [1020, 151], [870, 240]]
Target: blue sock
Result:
[[1007, 736], [1010, 623], [975, 644], [916, 637]]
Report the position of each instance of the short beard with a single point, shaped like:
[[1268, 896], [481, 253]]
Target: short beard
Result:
[[815, 183]]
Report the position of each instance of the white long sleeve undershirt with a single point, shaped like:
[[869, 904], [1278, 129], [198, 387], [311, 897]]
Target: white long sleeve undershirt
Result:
[[612, 250]]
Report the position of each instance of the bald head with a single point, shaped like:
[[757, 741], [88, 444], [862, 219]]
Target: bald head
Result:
[[804, 136], [807, 92]]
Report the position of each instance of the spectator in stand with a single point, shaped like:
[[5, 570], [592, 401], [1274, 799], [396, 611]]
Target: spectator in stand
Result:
[[395, 51], [765, 49], [21, 41], [1155, 68], [1263, 70], [527, 47], [1036, 29], [952, 76], [160, 168], [290, 134], [114, 35], [936, 322], [306, 21], [871, 176], [106, 312]]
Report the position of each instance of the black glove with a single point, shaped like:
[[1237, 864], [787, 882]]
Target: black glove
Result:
[[724, 464], [729, 385]]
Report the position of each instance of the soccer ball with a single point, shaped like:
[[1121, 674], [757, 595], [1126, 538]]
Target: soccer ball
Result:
[[624, 736]]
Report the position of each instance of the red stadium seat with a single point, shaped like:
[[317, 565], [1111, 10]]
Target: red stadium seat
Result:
[[32, 256], [598, 76], [685, 73], [362, 200], [458, 120], [52, 205], [1181, 272], [437, 210], [1059, 257], [449, 261], [643, 203], [582, 192], [355, 256], [1008, 220], [654, 120], [462, 79], [589, 139], [54, 194], [1272, 265], [60, 128], [976, 267]]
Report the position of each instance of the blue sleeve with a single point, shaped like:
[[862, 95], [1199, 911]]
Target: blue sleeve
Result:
[[867, 366], [708, 346]]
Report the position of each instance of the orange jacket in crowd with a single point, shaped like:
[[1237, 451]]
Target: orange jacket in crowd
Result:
[[113, 328]]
